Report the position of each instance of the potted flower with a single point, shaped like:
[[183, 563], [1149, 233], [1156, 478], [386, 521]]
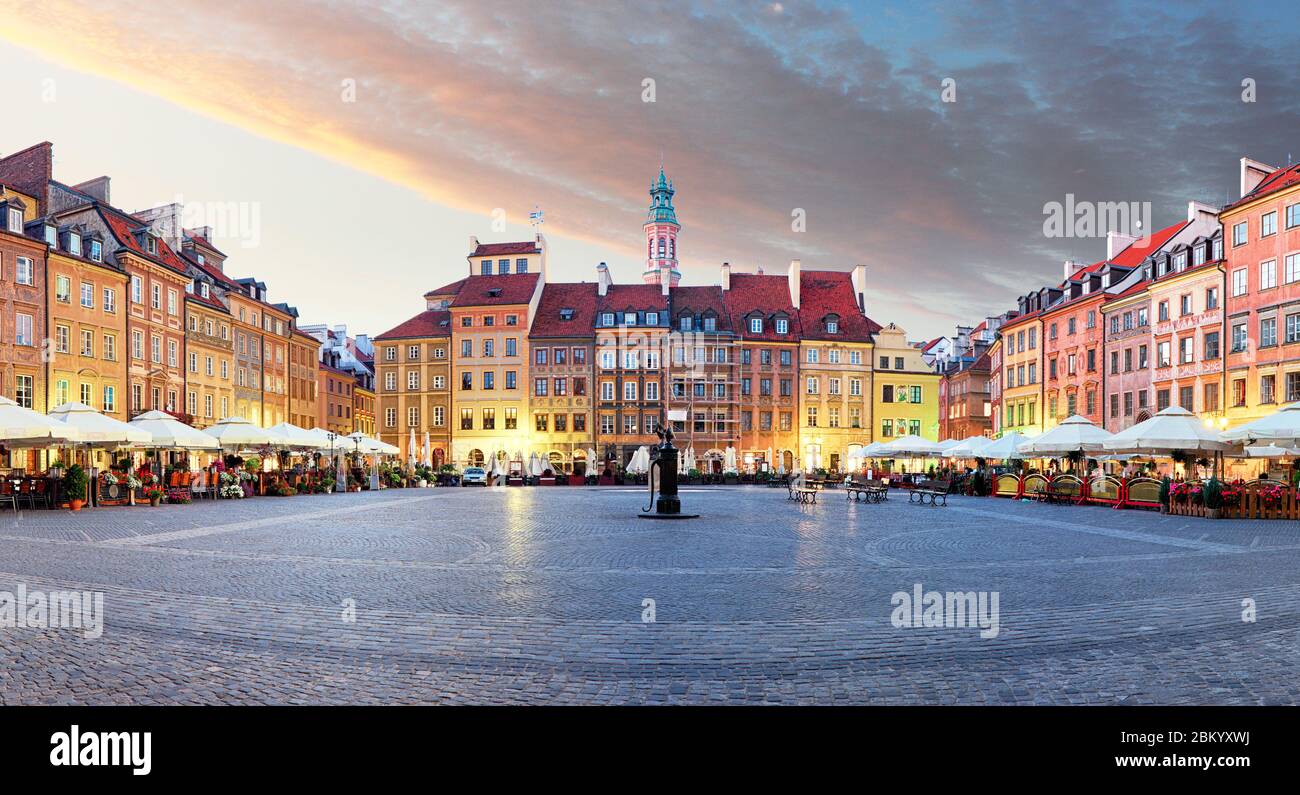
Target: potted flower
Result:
[[132, 484], [154, 495], [75, 484], [1212, 497]]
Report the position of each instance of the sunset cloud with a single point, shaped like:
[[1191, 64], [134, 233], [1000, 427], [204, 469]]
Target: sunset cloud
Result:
[[760, 109]]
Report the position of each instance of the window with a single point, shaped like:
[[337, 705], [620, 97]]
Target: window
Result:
[[1238, 338], [62, 289], [110, 394], [1293, 215], [1186, 350], [62, 335], [87, 343], [1267, 331], [23, 272], [1211, 345], [1239, 234], [1267, 386], [23, 387], [23, 334], [1238, 283], [1268, 224], [16, 222], [1292, 268], [756, 325], [1239, 391]]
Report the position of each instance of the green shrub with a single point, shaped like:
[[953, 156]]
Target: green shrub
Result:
[[75, 483], [1212, 493], [1164, 490]]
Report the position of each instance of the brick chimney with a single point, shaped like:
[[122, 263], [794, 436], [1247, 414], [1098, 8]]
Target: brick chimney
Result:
[[1070, 267], [793, 277], [726, 276]]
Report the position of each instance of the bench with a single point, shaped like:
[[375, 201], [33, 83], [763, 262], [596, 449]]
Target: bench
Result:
[[805, 494], [932, 490], [871, 491]]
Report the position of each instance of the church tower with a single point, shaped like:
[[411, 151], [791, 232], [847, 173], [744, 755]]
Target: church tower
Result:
[[661, 230]]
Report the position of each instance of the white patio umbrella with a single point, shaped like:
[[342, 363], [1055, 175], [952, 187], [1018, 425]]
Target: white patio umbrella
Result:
[[20, 427], [1281, 427], [298, 438], [538, 467], [970, 447], [168, 433], [100, 430], [428, 451], [780, 465], [948, 444], [912, 445], [1269, 451], [729, 460], [236, 433], [1074, 434], [1174, 428], [410, 448], [770, 458], [1006, 447], [369, 444]]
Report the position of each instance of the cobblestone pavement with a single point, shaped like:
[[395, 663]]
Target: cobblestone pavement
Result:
[[536, 596]]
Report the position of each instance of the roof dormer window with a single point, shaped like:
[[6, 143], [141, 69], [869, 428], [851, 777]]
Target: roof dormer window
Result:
[[205, 290], [74, 243], [566, 314], [96, 251], [607, 319], [756, 325], [151, 244], [782, 326], [51, 235], [15, 220], [832, 325], [684, 323], [202, 260]]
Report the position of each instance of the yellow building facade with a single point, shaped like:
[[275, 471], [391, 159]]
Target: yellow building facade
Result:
[[209, 360], [1022, 376], [904, 389], [87, 322]]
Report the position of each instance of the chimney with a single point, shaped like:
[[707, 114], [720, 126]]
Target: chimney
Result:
[[1117, 242], [97, 187], [860, 286], [1200, 211], [1253, 173], [793, 277], [602, 279], [1071, 266], [473, 246], [759, 271], [665, 277], [726, 276]]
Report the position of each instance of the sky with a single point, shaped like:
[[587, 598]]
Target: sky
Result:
[[346, 152]]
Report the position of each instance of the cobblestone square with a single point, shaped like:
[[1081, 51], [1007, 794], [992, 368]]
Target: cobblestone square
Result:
[[538, 596]]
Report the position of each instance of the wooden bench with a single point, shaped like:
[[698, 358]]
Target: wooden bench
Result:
[[871, 491], [805, 494], [932, 490]]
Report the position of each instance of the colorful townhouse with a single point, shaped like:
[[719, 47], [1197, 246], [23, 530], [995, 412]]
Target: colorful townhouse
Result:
[[905, 389], [413, 378], [703, 390], [766, 324], [965, 408], [630, 341], [995, 383], [23, 280], [562, 344], [1022, 387], [490, 318], [835, 369], [1261, 245], [1185, 291]]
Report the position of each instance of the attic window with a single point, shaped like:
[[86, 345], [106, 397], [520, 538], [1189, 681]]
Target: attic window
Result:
[[51, 235], [15, 220], [151, 243], [74, 243], [494, 292], [566, 314], [832, 326], [204, 290], [97, 251]]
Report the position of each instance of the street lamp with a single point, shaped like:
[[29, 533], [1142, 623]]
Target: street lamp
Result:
[[332, 436]]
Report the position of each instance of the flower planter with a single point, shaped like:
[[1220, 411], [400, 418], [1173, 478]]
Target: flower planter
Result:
[[1212, 513], [76, 505], [155, 501]]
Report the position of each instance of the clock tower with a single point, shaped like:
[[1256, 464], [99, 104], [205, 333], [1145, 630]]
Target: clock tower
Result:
[[661, 230]]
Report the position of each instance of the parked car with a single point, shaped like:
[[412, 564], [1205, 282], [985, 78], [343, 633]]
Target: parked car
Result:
[[474, 475]]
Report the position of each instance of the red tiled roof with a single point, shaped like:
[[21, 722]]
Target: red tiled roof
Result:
[[700, 299], [621, 297], [211, 302], [767, 294], [447, 289], [822, 293], [512, 288], [581, 298], [1134, 253], [1280, 179], [495, 249], [216, 273], [429, 323], [124, 227], [928, 345]]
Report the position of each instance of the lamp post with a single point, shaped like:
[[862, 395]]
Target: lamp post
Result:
[[338, 482]]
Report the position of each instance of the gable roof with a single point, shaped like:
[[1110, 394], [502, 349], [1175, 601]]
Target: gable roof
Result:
[[699, 300], [1281, 179], [447, 289], [766, 294], [429, 323], [580, 297], [823, 293], [509, 288], [124, 228], [495, 249], [619, 297]]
